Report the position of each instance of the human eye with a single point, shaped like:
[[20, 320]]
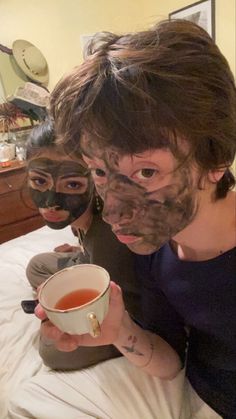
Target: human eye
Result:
[[98, 172], [76, 186], [99, 175], [37, 181], [145, 173], [72, 185]]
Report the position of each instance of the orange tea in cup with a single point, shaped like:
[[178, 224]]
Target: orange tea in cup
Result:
[[76, 298]]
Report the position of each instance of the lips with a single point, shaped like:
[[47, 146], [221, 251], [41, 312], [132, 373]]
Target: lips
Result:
[[52, 217], [127, 239]]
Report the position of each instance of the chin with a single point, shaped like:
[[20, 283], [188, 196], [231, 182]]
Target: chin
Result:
[[142, 248], [57, 225]]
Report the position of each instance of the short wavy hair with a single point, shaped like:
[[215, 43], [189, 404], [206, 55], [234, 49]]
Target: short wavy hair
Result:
[[144, 90]]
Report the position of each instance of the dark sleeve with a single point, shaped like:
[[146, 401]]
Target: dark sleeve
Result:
[[158, 315]]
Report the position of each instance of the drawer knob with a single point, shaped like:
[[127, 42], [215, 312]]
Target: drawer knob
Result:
[[8, 184]]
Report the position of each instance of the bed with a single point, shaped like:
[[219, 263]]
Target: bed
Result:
[[19, 331], [28, 389]]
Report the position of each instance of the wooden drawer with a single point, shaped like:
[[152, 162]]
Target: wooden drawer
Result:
[[12, 181], [14, 208], [19, 228], [18, 214]]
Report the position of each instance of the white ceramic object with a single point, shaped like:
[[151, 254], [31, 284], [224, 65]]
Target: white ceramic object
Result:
[[7, 151], [86, 318]]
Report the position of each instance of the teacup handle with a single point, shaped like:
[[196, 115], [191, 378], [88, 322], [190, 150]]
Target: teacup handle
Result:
[[94, 325]]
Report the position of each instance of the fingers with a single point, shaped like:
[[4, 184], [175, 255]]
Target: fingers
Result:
[[39, 312], [64, 248], [62, 341], [109, 328], [61, 247], [50, 331], [66, 343]]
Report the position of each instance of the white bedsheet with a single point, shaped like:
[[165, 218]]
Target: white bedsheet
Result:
[[19, 331], [112, 390], [28, 389]]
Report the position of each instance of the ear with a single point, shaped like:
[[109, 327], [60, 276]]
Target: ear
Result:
[[214, 176]]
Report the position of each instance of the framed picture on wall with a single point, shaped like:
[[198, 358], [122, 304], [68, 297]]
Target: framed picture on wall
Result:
[[202, 13]]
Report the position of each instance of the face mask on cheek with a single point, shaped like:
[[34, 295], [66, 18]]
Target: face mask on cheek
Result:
[[153, 217], [74, 204]]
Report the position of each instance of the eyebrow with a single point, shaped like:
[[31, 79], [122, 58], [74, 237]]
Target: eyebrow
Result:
[[40, 172], [72, 175]]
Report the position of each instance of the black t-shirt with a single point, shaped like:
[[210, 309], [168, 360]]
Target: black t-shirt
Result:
[[102, 248], [199, 297]]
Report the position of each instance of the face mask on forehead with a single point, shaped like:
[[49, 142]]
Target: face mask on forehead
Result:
[[58, 168], [74, 203]]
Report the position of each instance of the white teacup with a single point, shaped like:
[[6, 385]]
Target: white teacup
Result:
[[80, 319]]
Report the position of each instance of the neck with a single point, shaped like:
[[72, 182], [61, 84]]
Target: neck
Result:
[[84, 222], [211, 233]]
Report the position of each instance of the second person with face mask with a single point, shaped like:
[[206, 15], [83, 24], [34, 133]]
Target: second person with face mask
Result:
[[61, 187]]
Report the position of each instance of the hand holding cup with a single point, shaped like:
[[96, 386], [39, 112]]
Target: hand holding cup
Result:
[[76, 299], [68, 339]]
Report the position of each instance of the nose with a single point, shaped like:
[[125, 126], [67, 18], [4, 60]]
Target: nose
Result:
[[51, 200], [117, 212], [122, 199]]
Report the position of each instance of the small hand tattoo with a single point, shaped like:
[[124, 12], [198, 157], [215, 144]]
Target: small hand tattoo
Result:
[[131, 348]]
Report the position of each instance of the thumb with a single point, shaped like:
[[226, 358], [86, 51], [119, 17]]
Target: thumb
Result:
[[116, 298]]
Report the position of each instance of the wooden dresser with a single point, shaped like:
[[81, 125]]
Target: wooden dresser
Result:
[[17, 214]]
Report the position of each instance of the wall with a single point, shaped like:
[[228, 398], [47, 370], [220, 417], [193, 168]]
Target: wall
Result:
[[226, 30], [55, 26]]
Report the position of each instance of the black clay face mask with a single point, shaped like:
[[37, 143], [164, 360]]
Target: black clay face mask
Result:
[[62, 190], [144, 220], [151, 217]]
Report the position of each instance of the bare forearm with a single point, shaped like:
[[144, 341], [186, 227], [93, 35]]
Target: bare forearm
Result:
[[147, 350]]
